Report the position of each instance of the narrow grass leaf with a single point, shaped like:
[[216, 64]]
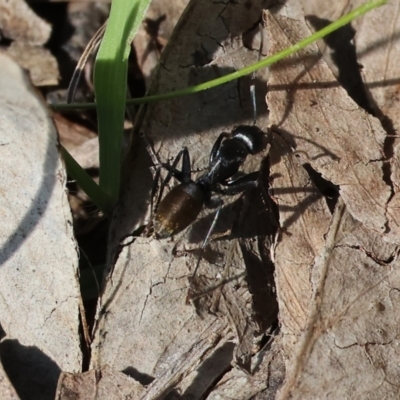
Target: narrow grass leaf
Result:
[[110, 82]]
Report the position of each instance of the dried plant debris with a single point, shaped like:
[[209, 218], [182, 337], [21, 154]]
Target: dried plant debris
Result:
[[29, 33], [19, 23], [85, 18], [268, 376], [39, 312], [380, 59], [350, 336], [336, 276], [304, 220], [153, 35], [42, 66], [364, 57], [79, 141], [99, 384], [327, 129]]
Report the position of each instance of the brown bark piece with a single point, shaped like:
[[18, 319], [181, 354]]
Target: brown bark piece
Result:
[[149, 295], [378, 51], [104, 384], [337, 280], [327, 129], [365, 58]]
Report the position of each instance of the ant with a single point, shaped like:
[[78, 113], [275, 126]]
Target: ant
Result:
[[183, 203]]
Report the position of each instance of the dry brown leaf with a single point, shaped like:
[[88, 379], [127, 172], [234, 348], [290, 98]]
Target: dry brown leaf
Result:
[[41, 64], [368, 55], [336, 278], [98, 384], [378, 50], [152, 36], [330, 11], [328, 130], [304, 220], [18, 22], [351, 335], [262, 385], [39, 312], [85, 18], [72, 134]]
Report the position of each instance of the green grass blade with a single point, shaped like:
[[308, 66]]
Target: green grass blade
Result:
[[110, 82], [86, 183], [266, 62], [356, 13]]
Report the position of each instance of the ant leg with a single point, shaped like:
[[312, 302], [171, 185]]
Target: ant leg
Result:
[[153, 208], [217, 145], [172, 171], [182, 176], [207, 238], [150, 149], [186, 167], [156, 168], [155, 187], [239, 185]]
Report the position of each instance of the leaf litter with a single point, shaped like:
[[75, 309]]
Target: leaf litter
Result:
[[39, 263], [336, 280], [336, 277], [145, 324]]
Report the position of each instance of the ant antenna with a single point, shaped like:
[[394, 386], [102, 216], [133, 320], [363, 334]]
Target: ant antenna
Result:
[[253, 78], [156, 178], [253, 97], [150, 149]]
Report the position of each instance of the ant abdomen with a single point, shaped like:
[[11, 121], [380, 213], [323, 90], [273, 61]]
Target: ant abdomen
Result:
[[178, 209]]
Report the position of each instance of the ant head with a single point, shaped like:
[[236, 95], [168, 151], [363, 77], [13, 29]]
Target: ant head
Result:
[[252, 136]]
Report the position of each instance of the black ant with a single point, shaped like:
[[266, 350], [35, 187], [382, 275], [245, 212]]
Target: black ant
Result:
[[181, 206], [183, 203]]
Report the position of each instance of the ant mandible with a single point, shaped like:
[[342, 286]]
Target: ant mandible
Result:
[[181, 206]]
